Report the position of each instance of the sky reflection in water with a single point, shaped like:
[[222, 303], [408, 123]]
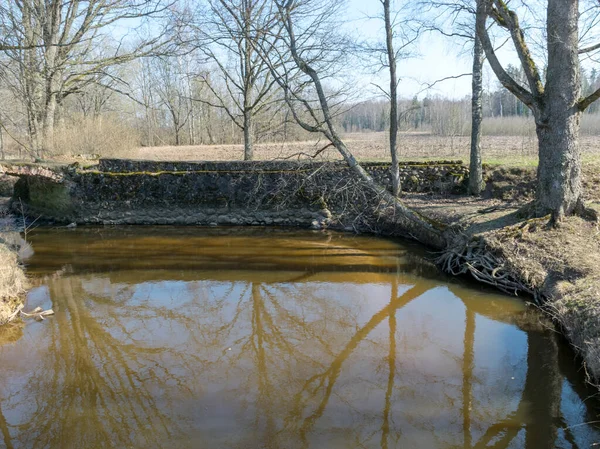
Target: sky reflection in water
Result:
[[255, 338]]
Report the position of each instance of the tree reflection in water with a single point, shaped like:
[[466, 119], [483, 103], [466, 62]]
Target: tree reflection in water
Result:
[[284, 360]]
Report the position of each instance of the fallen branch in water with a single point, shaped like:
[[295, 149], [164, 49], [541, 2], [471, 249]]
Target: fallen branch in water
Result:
[[38, 313]]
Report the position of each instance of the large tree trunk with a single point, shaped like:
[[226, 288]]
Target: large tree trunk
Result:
[[48, 126], [475, 169], [559, 171], [52, 78], [394, 169], [557, 106]]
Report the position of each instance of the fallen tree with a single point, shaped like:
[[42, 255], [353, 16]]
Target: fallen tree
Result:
[[293, 67]]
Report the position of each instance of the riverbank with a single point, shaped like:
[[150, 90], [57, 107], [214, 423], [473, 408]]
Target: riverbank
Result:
[[13, 283], [558, 269]]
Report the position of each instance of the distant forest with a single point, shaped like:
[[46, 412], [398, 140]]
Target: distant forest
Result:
[[445, 117], [102, 77]]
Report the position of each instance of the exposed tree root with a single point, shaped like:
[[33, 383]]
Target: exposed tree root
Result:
[[475, 258], [587, 213], [533, 210]]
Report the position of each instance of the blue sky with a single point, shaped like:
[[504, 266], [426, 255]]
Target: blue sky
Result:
[[437, 57]]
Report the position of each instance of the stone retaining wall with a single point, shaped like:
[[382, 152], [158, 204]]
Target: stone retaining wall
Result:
[[222, 193]]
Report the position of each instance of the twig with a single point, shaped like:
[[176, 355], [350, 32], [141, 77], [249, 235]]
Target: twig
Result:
[[15, 313], [312, 156]]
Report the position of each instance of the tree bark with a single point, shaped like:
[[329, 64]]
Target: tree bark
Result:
[[558, 117], [394, 169], [248, 136], [557, 106], [559, 186], [48, 124], [176, 126], [475, 169]]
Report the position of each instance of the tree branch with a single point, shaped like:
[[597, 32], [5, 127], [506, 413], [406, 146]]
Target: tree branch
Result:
[[584, 103], [589, 49], [505, 79], [510, 20]]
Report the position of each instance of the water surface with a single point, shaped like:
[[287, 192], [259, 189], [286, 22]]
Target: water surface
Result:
[[265, 338]]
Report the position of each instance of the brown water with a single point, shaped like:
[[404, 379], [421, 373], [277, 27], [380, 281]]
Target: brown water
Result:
[[254, 338]]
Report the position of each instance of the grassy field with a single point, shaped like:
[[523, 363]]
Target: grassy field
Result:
[[511, 150], [365, 146]]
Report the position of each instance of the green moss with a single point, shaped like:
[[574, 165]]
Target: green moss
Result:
[[340, 167], [189, 172], [48, 197]]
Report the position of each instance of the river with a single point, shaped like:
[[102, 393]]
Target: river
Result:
[[170, 337]]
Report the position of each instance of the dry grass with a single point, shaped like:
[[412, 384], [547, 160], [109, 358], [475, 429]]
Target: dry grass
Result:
[[508, 126], [365, 146], [508, 150], [508, 141], [105, 137], [564, 266], [13, 283]]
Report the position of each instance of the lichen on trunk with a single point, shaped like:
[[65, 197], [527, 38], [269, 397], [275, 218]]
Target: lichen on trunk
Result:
[[556, 105], [558, 115], [559, 186]]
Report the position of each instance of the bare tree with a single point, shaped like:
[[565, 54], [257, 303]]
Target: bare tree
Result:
[[172, 90], [145, 96], [52, 46], [460, 16], [408, 36], [297, 54], [228, 36], [475, 163], [93, 100], [401, 33], [556, 105], [391, 55]]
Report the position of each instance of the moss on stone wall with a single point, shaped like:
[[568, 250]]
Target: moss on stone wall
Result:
[[295, 193], [45, 197]]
